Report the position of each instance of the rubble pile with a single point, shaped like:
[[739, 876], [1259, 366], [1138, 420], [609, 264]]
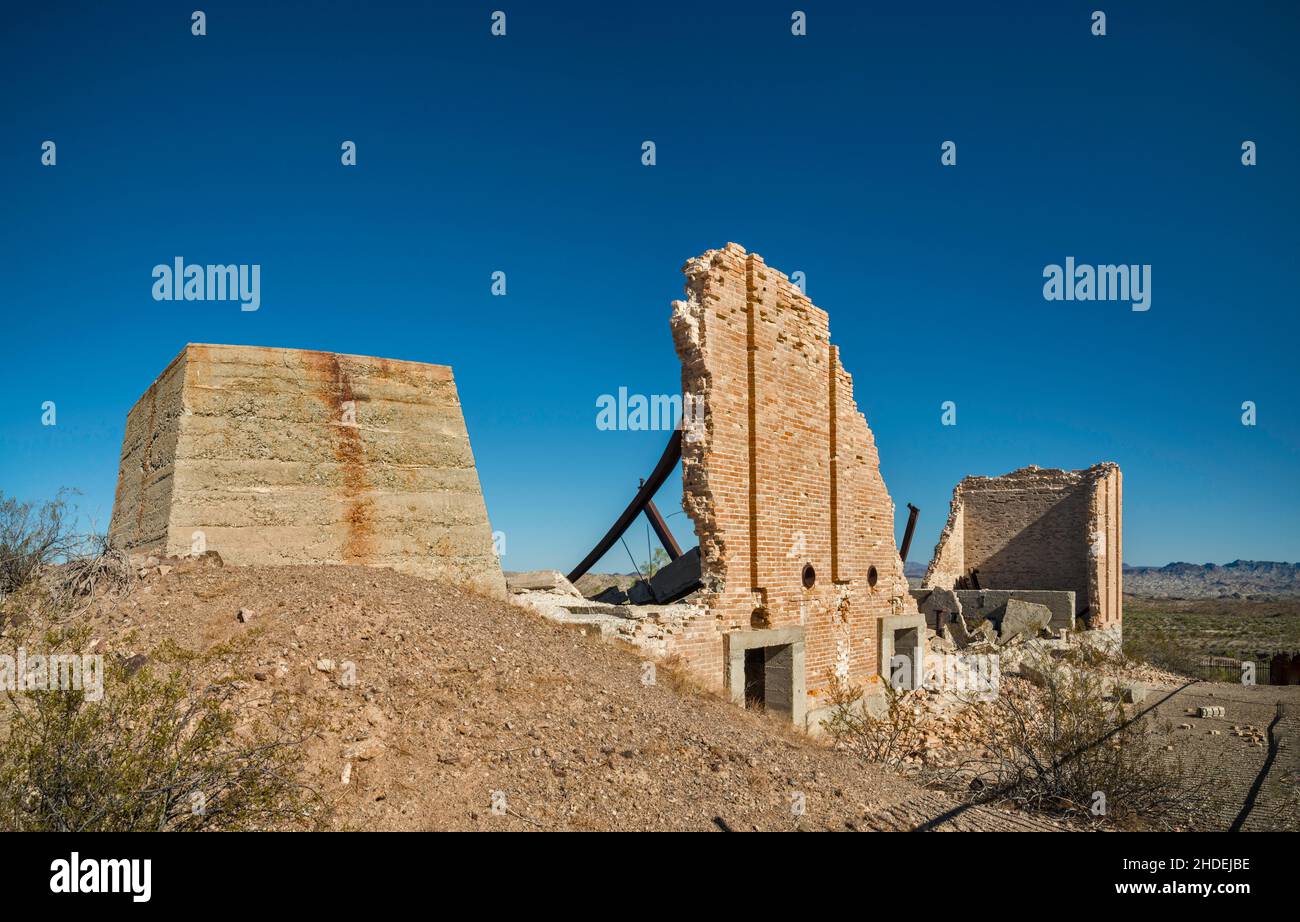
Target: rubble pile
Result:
[[646, 627]]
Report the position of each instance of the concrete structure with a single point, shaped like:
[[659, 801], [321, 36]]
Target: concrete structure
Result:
[[782, 482], [286, 456], [1038, 529], [980, 604]]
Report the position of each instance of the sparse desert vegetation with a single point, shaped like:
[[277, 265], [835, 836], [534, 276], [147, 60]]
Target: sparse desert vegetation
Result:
[[1181, 634]]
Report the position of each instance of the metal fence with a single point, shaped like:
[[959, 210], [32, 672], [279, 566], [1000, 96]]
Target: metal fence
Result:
[[1227, 669]]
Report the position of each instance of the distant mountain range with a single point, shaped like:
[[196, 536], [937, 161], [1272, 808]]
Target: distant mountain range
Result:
[[1257, 579], [1239, 579], [915, 568]]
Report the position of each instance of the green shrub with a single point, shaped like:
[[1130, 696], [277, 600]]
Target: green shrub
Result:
[[152, 754]]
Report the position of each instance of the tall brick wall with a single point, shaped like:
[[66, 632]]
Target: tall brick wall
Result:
[[281, 456], [784, 474], [1039, 529]]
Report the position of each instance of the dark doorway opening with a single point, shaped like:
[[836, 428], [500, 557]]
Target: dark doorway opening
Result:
[[769, 679], [754, 679], [903, 670]]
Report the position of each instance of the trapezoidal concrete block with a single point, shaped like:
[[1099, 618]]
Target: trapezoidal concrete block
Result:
[[288, 456]]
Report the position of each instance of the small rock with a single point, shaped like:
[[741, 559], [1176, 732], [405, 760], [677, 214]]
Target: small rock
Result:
[[245, 615], [364, 750], [325, 665]]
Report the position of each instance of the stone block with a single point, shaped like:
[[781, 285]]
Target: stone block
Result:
[[1023, 619]]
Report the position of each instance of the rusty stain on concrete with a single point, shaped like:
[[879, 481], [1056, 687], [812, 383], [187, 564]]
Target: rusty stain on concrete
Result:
[[336, 392]]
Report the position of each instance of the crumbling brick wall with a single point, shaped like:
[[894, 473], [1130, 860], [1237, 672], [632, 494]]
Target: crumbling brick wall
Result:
[[1039, 529], [283, 456], [782, 475]]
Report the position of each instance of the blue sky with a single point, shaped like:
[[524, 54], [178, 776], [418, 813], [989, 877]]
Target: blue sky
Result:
[[523, 154]]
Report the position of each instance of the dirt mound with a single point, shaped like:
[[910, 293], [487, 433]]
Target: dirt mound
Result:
[[436, 703]]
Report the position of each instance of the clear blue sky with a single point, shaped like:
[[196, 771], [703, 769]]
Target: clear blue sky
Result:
[[821, 153]]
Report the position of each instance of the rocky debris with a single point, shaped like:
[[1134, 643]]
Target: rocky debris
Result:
[[1043, 673], [1213, 711], [324, 665], [1024, 619], [645, 626], [938, 606], [147, 565], [1251, 734], [1132, 692], [541, 581], [245, 615], [964, 635]]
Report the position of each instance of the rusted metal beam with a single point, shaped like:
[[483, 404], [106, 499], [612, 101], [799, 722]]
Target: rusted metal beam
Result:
[[912, 513], [661, 529], [672, 454]]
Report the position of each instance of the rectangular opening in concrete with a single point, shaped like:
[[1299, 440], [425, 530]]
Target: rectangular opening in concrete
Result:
[[769, 679], [906, 642], [765, 671]]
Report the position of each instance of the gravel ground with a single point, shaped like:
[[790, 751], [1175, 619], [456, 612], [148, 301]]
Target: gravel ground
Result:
[[445, 703]]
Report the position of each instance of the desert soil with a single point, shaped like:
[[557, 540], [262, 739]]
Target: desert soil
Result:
[[460, 698]]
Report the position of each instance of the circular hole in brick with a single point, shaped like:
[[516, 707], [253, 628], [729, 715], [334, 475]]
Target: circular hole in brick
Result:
[[872, 577], [809, 576]]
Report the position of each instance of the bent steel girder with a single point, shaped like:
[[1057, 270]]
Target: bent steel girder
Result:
[[672, 454]]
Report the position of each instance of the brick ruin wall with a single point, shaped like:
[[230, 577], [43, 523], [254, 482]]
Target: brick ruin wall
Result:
[[284, 456], [784, 472], [1039, 529]]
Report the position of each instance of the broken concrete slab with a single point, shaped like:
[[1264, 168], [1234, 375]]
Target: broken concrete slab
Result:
[[990, 603], [1023, 619], [541, 581], [940, 606], [1042, 671], [1132, 691], [678, 579], [611, 595], [640, 593]]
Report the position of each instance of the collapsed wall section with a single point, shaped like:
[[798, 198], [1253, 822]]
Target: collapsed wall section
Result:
[[781, 480], [1038, 529], [284, 456]]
